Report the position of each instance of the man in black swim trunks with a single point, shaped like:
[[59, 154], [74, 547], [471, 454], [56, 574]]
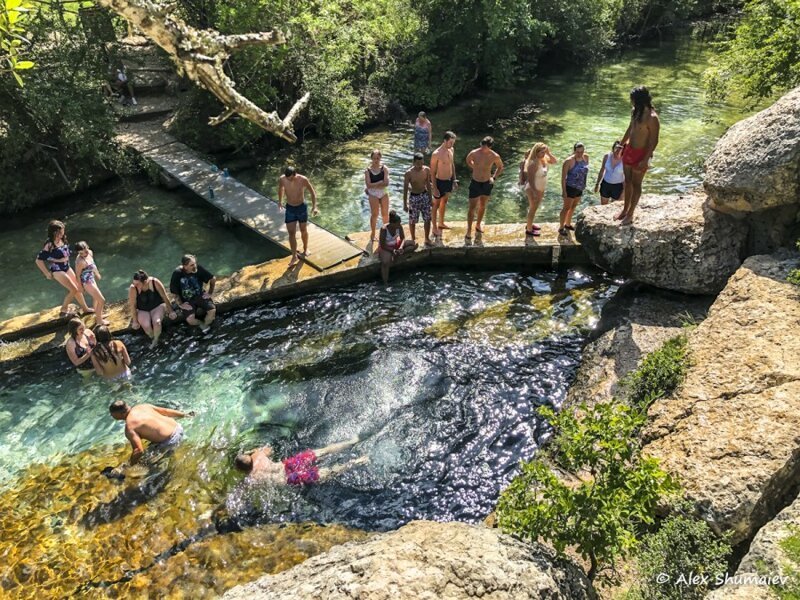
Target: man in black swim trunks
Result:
[[187, 287], [480, 161], [294, 186], [443, 174]]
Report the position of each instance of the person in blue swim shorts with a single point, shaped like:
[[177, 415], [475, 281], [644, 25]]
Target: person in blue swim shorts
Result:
[[294, 186]]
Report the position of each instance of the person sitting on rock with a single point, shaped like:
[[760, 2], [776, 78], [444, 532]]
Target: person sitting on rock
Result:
[[187, 286], [393, 243]]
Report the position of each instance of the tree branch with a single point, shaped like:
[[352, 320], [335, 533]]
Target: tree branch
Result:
[[200, 54]]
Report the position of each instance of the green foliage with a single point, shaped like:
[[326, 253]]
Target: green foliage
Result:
[[763, 56], [615, 496], [683, 545], [12, 39], [794, 274], [660, 373]]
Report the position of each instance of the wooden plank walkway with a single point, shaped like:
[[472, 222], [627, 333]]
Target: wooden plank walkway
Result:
[[232, 197]]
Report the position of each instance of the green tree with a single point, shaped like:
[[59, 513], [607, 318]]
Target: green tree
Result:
[[763, 56], [12, 40], [616, 491]]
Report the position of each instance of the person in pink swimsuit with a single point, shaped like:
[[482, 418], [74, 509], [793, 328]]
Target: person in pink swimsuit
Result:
[[299, 469]]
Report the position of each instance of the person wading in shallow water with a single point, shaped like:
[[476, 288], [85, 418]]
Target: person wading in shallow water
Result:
[[480, 161], [443, 174], [300, 469], [294, 186], [154, 424], [640, 141]]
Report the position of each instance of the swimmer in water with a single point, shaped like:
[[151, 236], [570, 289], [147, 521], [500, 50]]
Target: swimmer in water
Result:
[[300, 469]]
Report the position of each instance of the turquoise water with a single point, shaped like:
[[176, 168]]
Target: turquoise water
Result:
[[129, 225], [559, 109]]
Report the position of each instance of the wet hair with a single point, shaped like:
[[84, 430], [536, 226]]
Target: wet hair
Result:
[[117, 407], [394, 217], [419, 156], [243, 462], [73, 326], [187, 258], [448, 135], [615, 145], [577, 145], [141, 275], [488, 141], [290, 171], [531, 156], [53, 228], [103, 350], [375, 151], [640, 98], [81, 246]]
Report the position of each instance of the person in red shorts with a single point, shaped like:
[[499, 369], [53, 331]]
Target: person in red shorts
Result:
[[639, 141], [299, 469]]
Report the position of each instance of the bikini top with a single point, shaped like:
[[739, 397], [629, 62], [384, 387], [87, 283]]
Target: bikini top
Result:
[[375, 178], [80, 350]]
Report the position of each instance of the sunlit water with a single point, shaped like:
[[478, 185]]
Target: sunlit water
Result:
[[440, 375], [129, 225], [559, 109]]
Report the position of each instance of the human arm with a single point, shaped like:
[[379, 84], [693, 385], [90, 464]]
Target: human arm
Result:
[[434, 166], [94, 266], [280, 193], [550, 158], [313, 193], [163, 293], [498, 167], [137, 449], [655, 129], [168, 412], [406, 181], [132, 306], [564, 170], [430, 134], [600, 173], [126, 359], [428, 183], [470, 160], [212, 283], [627, 135], [72, 355], [41, 258]]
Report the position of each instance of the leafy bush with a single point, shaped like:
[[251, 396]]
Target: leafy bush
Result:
[[660, 373], [682, 546], [794, 274], [616, 494]]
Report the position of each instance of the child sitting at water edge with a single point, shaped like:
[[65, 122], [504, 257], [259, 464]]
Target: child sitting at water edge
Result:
[[393, 243], [300, 469]]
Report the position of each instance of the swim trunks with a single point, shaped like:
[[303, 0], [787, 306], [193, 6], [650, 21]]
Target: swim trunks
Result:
[[610, 190], [171, 441], [297, 213], [419, 204], [633, 156], [480, 188], [199, 305], [573, 192], [444, 186], [124, 376], [300, 468]]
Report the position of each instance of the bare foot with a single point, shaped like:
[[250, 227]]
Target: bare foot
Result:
[[627, 221], [429, 243], [478, 229], [305, 253], [294, 261], [443, 226], [619, 216], [153, 344], [88, 311]]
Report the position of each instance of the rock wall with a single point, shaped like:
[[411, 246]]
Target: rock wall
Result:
[[730, 432], [425, 560]]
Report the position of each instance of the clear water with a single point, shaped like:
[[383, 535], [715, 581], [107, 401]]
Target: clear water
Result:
[[129, 225], [558, 109]]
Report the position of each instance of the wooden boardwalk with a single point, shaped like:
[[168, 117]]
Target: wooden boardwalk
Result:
[[232, 197]]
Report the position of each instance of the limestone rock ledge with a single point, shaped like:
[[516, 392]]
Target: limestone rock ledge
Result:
[[731, 431], [425, 560], [676, 242]]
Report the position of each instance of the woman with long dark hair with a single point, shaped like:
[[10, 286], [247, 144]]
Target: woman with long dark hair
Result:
[[640, 141], [110, 357], [80, 346], [53, 262]]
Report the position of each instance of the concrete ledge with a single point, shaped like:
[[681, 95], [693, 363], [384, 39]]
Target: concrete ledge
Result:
[[500, 247]]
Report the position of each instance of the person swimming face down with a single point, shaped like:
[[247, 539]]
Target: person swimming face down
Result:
[[244, 462]]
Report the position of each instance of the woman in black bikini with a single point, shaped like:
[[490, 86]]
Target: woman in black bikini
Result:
[[148, 301], [80, 346], [376, 179], [53, 262]]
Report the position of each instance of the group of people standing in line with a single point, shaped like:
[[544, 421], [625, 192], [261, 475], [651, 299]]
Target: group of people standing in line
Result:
[[427, 189]]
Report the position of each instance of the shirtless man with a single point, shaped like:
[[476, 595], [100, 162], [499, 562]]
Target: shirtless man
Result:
[[147, 422], [294, 187], [480, 161], [639, 141], [418, 178], [443, 174], [299, 469]]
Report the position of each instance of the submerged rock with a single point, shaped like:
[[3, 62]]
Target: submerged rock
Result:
[[755, 166], [676, 243], [427, 560], [730, 432]]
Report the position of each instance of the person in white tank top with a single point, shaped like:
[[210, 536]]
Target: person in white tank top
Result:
[[536, 166], [611, 178]]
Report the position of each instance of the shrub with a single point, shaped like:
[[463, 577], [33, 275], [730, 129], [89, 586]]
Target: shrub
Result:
[[660, 373], [794, 274], [616, 495], [683, 545]]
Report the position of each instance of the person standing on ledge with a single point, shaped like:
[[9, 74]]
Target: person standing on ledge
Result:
[[418, 178], [573, 182], [187, 287], [640, 141], [480, 161], [294, 186], [611, 178], [423, 134], [443, 174]]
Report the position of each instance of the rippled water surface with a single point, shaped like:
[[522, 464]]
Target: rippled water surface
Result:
[[439, 375]]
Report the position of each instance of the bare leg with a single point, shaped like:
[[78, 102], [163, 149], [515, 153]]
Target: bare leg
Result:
[[482, 202], [562, 219], [412, 229], [336, 447], [291, 228], [626, 193], [573, 204], [386, 262], [327, 472], [604, 201], [304, 237], [144, 319], [385, 209], [442, 209], [636, 192], [534, 200], [373, 216], [156, 318], [70, 283], [427, 227], [98, 302], [210, 316], [473, 203], [434, 211]]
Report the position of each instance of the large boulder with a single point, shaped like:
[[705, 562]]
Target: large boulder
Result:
[[676, 243], [427, 560], [635, 322], [730, 432], [755, 166]]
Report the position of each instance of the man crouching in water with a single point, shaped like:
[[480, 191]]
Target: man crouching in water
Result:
[[300, 469], [147, 422]]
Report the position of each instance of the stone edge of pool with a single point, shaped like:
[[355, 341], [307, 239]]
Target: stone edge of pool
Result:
[[502, 245]]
